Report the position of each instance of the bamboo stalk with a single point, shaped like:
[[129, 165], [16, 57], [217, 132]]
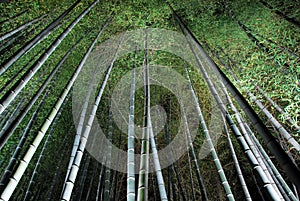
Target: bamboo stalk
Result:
[[285, 162], [95, 166], [100, 183], [236, 164], [194, 157], [244, 126], [274, 169], [69, 184], [8, 129], [144, 162], [251, 144], [217, 161], [17, 152], [278, 108], [36, 39], [275, 123], [130, 151], [34, 145], [11, 33], [158, 171], [9, 96], [78, 195], [108, 161], [83, 114], [38, 163], [13, 17]]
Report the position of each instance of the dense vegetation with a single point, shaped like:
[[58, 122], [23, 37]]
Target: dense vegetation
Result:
[[255, 43]]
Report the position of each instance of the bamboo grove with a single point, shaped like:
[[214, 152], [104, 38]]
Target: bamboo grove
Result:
[[153, 100]]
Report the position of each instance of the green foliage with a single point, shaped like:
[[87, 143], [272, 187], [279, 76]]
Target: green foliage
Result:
[[276, 71]]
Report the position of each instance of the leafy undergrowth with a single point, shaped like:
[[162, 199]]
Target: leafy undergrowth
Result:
[[275, 68]]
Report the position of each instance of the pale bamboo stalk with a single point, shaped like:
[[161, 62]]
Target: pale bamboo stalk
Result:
[[275, 123], [38, 163], [144, 162], [9, 189], [274, 169], [158, 171], [8, 130], [261, 149], [9, 119], [270, 189], [250, 143], [195, 160], [217, 161], [130, 151], [8, 97], [30, 152], [69, 184], [81, 123], [85, 106], [285, 162], [11, 33], [278, 108], [36, 39], [273, 193], [13, 78], [13, 160], [108, 161], [236, 164]]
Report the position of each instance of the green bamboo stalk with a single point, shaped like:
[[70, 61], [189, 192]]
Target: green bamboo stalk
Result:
[[285, 162], [90, 188], [236, 164], [41, 36], [194, 157], [9, 96], [250, 143], [100, 182], [57, 175], [13, 17], [217, 161], [9, 189], [274, 169], [10, 127]]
